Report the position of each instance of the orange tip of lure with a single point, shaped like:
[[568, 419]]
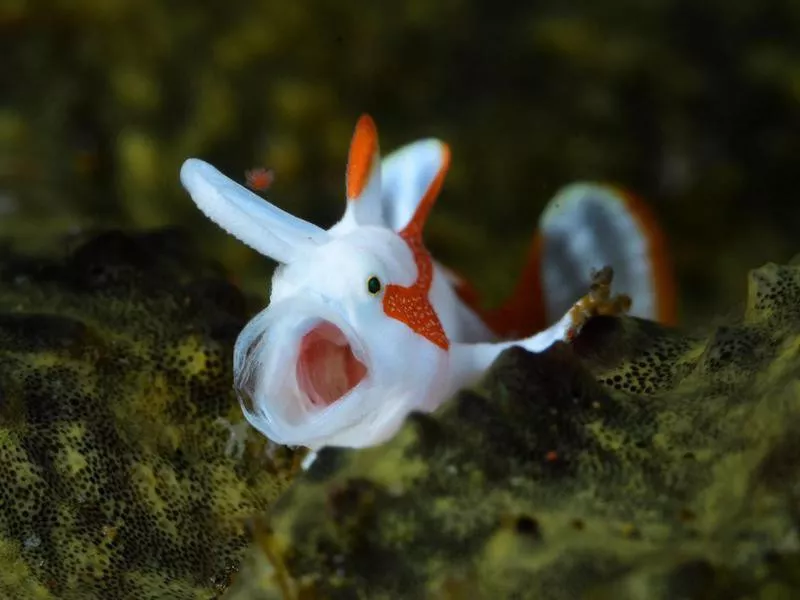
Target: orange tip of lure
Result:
[[362, 156]]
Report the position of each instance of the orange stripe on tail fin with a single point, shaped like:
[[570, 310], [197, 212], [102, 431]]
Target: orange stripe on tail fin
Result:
[[581, 237], [664, 281], [588, 226]]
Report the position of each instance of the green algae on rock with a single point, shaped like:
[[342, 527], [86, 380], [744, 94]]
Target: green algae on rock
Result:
[[641, 462], [119, 477]]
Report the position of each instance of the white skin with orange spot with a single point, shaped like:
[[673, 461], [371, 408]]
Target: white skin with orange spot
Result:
[[333, 361]]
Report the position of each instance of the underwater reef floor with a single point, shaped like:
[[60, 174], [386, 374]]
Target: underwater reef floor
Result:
[[638, 462], [642, 462]]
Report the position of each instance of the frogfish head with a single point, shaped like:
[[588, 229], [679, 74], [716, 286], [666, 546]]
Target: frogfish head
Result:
[[349, 342], [324, 364]]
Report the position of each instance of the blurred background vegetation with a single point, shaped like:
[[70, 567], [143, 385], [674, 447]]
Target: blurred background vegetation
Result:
[[695, 106]]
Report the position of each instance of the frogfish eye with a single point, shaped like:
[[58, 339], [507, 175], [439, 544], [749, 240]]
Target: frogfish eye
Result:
[[373, 285]]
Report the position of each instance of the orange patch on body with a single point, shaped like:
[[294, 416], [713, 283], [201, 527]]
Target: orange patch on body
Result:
[[411, 305], [522, 314], [664, 285], [362, 155]]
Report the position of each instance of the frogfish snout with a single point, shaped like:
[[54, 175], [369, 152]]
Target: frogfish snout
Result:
[[294, 365], [305, 376]]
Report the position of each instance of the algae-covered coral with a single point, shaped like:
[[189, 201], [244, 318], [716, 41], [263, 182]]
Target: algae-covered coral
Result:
[[641, 462], [119, 477]]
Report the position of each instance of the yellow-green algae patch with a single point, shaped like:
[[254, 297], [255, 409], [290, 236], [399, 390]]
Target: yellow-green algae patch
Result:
[[638, 463], [114, 476]]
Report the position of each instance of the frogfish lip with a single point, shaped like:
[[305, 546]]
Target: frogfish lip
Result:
[[327, 367]]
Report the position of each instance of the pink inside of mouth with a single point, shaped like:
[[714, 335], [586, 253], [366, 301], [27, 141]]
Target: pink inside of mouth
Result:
[[327, 369]]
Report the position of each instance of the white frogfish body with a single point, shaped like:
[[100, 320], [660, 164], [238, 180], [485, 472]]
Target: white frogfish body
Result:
[[363, 326]]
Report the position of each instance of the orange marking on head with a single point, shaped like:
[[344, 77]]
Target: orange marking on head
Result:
[[363, 152], [522, 314], [664, 284], [411, 305]]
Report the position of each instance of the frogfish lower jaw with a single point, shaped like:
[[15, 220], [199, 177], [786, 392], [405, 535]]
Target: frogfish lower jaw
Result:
[[327, 367]]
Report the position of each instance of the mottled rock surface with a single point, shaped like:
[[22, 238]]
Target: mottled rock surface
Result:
[[643, 463], [117, 480]]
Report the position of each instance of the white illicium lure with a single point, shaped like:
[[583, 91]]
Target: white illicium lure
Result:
[[363, 326]]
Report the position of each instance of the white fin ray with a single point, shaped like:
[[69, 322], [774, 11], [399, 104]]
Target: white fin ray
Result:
[[406, 175], [259, 224]]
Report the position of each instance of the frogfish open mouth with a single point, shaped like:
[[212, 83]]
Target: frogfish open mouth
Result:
[[327, 367], [307, 360]]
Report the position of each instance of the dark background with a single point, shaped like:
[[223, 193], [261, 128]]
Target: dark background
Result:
[[692, 105]]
